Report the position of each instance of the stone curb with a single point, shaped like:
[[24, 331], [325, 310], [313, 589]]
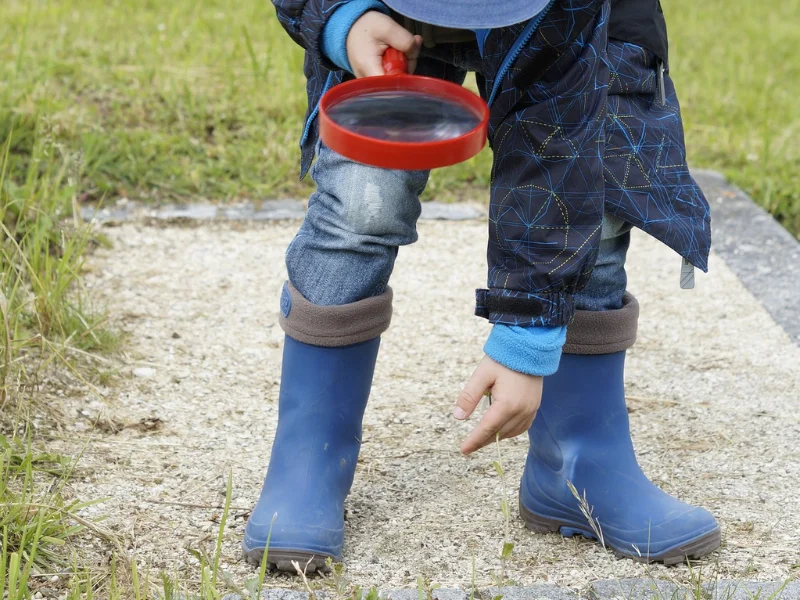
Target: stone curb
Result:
[[764, 256], [269, 210], [610, 589]]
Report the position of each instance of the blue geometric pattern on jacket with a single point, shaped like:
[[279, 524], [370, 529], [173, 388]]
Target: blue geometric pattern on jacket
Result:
[[547, 189], [647, 180], [577, 129]]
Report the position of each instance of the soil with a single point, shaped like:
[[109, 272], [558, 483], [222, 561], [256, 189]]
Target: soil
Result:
[[713, 386]]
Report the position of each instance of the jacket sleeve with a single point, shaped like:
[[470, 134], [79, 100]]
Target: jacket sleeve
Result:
[[304, 21], [547, 196]]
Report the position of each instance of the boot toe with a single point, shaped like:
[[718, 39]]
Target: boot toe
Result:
[[691, 533], [294, 537]]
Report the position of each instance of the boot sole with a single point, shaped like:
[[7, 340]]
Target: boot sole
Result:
[[282, 560], [695, 549]]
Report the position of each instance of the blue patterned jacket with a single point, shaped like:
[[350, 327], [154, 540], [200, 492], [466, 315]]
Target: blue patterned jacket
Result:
[[578, 127]]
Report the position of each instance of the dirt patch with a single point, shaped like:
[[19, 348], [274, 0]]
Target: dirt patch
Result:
[[714, 390]]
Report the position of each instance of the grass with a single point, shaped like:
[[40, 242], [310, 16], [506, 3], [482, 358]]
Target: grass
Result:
[[45, 323], [205, 98], [501, 577], [161, 100], [737, 74], [44, 314], [157, 100], [33, 524], [36, 522]]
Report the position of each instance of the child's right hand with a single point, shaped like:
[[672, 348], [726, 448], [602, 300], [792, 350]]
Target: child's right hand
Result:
[[371, 35]]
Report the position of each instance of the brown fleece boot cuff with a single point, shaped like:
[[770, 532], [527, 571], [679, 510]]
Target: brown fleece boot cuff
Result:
[[603, 332], [334, 326]]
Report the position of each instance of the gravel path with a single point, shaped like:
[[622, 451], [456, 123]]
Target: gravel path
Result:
[[714, 390]]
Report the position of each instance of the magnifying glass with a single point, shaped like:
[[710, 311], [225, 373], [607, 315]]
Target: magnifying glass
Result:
[[402, 121]]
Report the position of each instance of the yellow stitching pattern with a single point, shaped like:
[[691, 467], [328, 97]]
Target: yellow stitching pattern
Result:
[[577, 250]]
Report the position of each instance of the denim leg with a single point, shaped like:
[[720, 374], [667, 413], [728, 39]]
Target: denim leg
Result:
[[609, 280], [356, 220]]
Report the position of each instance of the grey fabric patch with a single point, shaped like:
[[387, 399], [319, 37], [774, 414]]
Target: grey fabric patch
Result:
[[603, 332], [336, 326]]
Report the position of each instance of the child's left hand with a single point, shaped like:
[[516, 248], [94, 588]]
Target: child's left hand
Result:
[[515, 400]]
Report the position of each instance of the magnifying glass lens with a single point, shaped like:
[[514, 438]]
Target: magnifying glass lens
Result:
[[404, 116]]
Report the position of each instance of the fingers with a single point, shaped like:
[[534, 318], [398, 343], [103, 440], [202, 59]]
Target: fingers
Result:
[[414, 54], [493, 422], [370, 66], [482, 379], [486, 431], [371, 35], [395, 35], [398, 37]]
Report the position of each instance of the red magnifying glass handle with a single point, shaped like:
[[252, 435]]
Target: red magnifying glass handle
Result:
[[395, 62]]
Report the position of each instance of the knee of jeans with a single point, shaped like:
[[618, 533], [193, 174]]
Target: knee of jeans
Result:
[[378, 202], [372, 201]]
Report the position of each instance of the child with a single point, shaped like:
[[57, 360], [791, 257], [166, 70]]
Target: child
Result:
[[588, 142]]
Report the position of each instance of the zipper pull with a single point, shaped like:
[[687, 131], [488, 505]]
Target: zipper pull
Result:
[[687, 275], [662, 92]]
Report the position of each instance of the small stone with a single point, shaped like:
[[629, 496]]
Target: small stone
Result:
[[638, 589], [144, 372], [540, 591], [274, 594], [401, 595], [449, 594], [726, 589], [283, 595]]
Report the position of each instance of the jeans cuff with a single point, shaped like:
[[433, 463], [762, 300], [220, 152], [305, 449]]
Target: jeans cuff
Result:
[[605, 331], [334, 326]]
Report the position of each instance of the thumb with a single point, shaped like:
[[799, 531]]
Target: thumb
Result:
[[469, 398]]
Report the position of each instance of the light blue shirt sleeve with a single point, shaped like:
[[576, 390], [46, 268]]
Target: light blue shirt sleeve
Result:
[[334, 36], [530, 350]]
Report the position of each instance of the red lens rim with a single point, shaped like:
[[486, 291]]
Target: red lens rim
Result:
[[403, 155]]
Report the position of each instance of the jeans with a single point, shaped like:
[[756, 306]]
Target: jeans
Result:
[[359, 217]]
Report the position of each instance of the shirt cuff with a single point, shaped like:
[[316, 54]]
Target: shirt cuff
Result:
[[334, 35], [529, 350]]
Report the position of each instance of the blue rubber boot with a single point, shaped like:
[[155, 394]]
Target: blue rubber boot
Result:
[[581, 435], [323, 396]]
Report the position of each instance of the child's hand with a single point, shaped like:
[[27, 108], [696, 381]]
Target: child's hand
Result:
[[369, 38], [515, 400]]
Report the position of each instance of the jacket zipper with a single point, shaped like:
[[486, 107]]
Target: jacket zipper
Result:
[[512, 55], [313, 115]]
